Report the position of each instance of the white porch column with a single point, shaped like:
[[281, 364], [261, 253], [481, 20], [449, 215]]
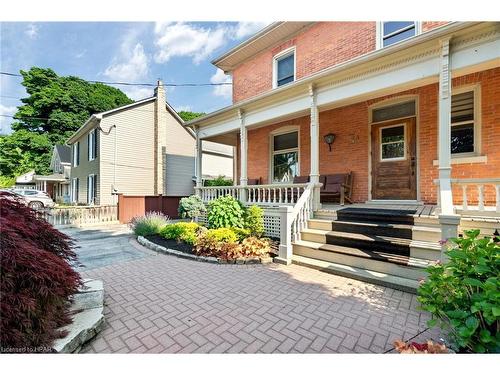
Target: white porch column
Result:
[[444, 130], [314, 131], [448, 220], [199, 161], [45, 186], [243, 155]]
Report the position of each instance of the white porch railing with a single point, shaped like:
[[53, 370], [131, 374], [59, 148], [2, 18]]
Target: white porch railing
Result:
[[475, 188], [262, 195], [80, 215]]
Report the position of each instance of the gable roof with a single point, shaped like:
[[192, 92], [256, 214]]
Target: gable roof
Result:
[[64, 152], [265, 38]]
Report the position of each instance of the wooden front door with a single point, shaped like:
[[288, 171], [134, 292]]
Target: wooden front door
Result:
[[394, 166]]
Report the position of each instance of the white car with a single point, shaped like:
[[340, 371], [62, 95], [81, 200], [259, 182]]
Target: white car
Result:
[[35, 199]]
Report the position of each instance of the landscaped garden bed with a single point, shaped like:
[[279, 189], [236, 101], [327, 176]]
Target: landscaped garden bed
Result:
[[234, 233]]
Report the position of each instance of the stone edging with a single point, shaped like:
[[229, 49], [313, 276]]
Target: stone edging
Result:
[[161, 249]]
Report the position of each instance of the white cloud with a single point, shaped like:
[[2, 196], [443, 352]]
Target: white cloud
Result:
[[79, 55], [31, 31], [182, 39], [186, 108], [131, 66], [137, 92], [6, 121], [243, 29], [222, 90]]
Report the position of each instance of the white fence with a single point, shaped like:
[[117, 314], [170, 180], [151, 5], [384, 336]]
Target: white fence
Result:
[[81, 215]]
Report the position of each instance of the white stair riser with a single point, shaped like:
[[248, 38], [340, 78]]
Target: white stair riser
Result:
[[313, 237], [420, 234], [429, 254], [369, 264], [322, 225]]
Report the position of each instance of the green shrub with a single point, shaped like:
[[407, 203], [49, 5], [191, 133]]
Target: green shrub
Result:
[[186, 232], [241, 233], [254, 220], [219, 181], [225, 212], [191, 207], [221, 235], [463, 294], [149, 224]]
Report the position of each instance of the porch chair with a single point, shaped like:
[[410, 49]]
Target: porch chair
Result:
[[336, 186]]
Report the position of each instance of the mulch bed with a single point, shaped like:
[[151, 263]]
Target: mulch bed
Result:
[[171, 244]]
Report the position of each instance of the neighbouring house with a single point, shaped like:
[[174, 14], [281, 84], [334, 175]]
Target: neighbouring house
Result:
[[400, 118], [25, 181], [140, 149], [56, 185]]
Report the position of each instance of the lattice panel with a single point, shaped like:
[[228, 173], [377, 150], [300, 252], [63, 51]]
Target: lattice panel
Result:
[[272, 223]]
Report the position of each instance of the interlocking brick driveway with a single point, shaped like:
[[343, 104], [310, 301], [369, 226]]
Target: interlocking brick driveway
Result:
[[163, 304]]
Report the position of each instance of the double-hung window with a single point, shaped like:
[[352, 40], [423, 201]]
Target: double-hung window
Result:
[[91, 188], [285, 157], [92, 144], [464, 132], [74, 190], [76, 154], [396, 31], [284, 68]]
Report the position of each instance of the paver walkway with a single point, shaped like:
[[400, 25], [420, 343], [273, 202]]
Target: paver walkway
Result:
[[163, 304]]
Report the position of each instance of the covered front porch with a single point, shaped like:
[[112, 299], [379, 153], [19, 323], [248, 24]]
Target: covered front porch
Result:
[[55, 185], [411, 127]]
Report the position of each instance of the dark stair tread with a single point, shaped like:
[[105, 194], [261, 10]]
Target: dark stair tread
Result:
[[370, 238], [376, 211], [369, 254], [375, 224]]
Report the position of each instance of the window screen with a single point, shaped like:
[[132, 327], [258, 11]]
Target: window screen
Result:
[[462, 122]]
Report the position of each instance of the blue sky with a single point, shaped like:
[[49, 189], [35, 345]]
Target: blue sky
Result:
[[177, 52]]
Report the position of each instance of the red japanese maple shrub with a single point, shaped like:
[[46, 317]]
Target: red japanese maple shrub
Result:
[[36, 279]]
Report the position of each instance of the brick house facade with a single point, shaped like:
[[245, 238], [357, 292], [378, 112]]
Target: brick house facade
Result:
[[342, 72]]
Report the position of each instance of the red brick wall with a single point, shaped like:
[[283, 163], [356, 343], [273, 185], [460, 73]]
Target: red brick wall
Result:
[[322, 45], [350, 149], [429, 25]]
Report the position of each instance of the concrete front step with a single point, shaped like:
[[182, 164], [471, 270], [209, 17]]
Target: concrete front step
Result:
[[374, 277], [414, 270]]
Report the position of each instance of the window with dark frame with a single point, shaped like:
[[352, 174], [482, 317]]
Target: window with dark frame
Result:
[[285, 69], [285, 157], [396, 31], [462, 123]]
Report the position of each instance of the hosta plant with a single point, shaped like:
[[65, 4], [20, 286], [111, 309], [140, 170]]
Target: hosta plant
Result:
[[225, 212], [149, 224], [463, 294]]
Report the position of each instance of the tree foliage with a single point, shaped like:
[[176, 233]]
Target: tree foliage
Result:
[[188, 116], [55, 108]]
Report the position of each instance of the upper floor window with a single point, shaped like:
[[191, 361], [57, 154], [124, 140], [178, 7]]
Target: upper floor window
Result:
[[285, 157], [396, 31], [284, 67], [92, 144], [76, 154], [465, 132]]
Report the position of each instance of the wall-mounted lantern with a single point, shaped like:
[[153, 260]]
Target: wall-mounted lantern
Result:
[[329, 138]]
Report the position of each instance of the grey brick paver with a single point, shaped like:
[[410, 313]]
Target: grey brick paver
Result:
[[165, 304]]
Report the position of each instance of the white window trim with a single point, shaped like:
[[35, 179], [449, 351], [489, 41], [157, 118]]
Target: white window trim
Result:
[[74, 197], [90, 189], [379, 33], [281, 131], [382, 160], [91, 136], [279, 56], [476, 89], [75, 153]]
